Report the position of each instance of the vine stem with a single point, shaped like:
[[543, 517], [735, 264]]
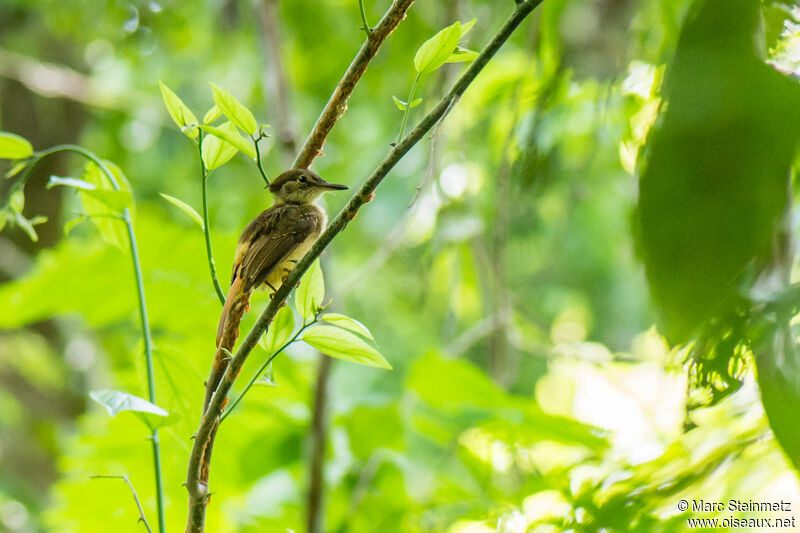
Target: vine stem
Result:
[[258, 161], [199, 491], [146, 336], [366, 28], [411, 96], [126, 479], [206, 229], [261, 370]]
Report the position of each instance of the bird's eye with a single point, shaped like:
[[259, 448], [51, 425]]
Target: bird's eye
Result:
[[303, 179]]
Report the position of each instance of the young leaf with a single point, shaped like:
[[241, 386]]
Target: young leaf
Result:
[[346, 322], [179, 112], [217, 152], [401, 105], [434, 52], [466, 27], [279, 331], [234, 110], [462, 55], [311, 292], [26, 226], [14, 147], [232, 136], [343, 344], [16, 169], [186, 208], [116, 200], [266, 378], [70, 182], [70, 224], [94, 203], [212, 114], [116, 402]]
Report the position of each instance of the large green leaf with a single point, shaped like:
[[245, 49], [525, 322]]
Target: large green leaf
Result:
[[217, 152], [714, 178], [179, 111], [435, 52], [116, 402], [186, 208], [232, 136], [100, 203], [234, 110], [344, 345]]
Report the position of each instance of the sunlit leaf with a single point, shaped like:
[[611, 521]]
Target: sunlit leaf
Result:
[[346, 322], [186, 208], [466, 26], [461, 55], [309, 295], [345, 345], [402, 104], [217, 152], [212, 114], [434, 52], [14, 147], [16, 200], [232, 136], [116, 200], [234, 110], [70, 182], [179, 111]]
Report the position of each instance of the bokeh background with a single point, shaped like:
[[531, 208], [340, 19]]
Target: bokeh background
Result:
[[496, 267]]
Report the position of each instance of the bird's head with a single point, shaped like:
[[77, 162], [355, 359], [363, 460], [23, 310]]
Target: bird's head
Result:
[[300, 186]]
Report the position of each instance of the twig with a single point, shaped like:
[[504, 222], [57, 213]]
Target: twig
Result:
[[126, 479], [206, 226], [280, 97], [318, 432], [366, 27], [198, 492], [337, 104], [137, 269]]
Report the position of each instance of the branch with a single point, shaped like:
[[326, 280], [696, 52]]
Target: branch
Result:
[[337, 105], [318, 431], [126, 479], [198, 492]]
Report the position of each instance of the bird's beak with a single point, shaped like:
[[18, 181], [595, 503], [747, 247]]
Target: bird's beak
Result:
[[332, 186]]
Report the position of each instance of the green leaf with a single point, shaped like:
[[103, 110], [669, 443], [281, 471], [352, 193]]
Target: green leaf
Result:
[[70, 224], [461, 55], [465, 27], [346, 322], [279, 331], [234, 110], [401, 104], [104, 202], [116, 402], [16, 169], [434, 52], [232, 136], [212, 114], [14, 147], [186, 208], [179, 112], [266, 378], [217, 152], [309, 295], [345, 345], [16, 200]]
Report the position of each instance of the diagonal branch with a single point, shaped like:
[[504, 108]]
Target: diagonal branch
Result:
[[198, 491], [337, 104]]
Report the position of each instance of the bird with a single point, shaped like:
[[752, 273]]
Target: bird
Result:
[[278, 237]]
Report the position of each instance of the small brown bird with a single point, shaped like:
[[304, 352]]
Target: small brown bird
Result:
[[276, 239]]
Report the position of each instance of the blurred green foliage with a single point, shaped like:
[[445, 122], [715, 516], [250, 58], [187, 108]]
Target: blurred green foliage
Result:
[[496, 267]]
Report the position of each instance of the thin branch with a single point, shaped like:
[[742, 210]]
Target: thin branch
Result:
[[206, 226], [366, 27], [337, 104], [198, 492], [126, 479], [318, 432], [137, 269]]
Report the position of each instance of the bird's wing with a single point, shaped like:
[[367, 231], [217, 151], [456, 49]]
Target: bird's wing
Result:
[[273, 245]]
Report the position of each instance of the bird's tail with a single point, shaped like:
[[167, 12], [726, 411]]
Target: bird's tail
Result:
[[228, 330], [234, 295]]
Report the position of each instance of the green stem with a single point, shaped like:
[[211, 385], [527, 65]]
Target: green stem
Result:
[[148, 343], [366, 28], [411, 96], [258, 161], [261, 370], [206, 226]]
